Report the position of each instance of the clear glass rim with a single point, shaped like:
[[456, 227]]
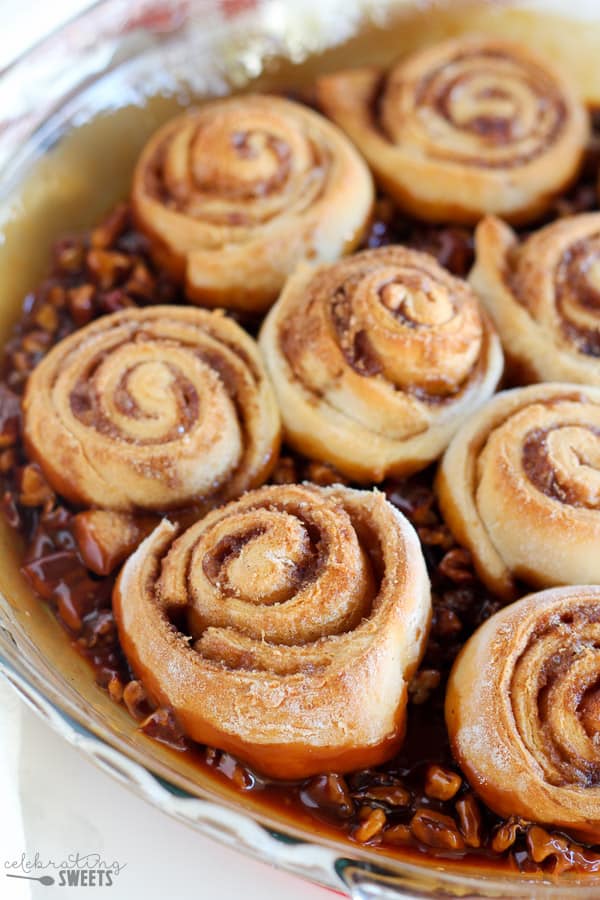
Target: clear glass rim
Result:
[[101, 26]]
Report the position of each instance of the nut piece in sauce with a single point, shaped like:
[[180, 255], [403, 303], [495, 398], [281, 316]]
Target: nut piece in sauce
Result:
[[106, 538]]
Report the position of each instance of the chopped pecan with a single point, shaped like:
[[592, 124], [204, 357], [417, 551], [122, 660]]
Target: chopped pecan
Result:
[[57, 296], [114, 300], [163, 726], [445, 622], [136, 700], [34, 489], [111, 228], [36, 341], [372, 825], [437, 536], [469, 820], [106, 538], [141, 283], [8, 460], [457, 565], [47, 318], [81, 303], [415, 500], [236, 772], [108, 267], [391, 795], [285, 471], [329, 792], [69, 255], [441, 783], [115, 689], [323, 474], [506, 833], [436, 830], [423, 684]]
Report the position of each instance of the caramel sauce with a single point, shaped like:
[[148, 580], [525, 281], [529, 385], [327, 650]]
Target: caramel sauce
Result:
[[420, 796]]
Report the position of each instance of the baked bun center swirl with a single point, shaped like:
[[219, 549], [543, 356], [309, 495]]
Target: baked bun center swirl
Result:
[[268, 558], [234, 194], [544, 296], [578, 293], [122, 393], [523, 710], [392, 313], [376, 357], [153, 409], [419, 327], [303, 611], [242, 165], [555, 687], [520, 486], [463, 128], [482, 106], [564, 462]]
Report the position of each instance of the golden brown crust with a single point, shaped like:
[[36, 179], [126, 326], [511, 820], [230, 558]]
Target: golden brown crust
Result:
[[375, 360], [235, 193], [519, 486], [308, 610], [522, 710], [544, 297], [152, 409], [463, 128]]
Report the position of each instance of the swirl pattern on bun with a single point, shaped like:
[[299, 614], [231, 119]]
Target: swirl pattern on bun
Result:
[[520, 487], [308, 610], [375, 360], [153, 409], [234, 194], [523, 709], [544, 297], [465, 127]]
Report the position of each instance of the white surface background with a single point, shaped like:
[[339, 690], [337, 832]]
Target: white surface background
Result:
[[52, 799], [55, 802]]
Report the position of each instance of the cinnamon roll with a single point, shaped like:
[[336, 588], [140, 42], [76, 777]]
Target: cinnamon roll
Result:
[[283, 627], [466, 127], [152, 409], [520, 487], [544, 297], [234, 194], [375, 360], [522, 710]]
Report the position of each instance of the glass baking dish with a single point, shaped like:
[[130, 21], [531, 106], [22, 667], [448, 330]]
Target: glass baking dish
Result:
[[76, 110]]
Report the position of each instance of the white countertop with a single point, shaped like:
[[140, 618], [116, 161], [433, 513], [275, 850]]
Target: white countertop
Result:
[[55, 802]]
